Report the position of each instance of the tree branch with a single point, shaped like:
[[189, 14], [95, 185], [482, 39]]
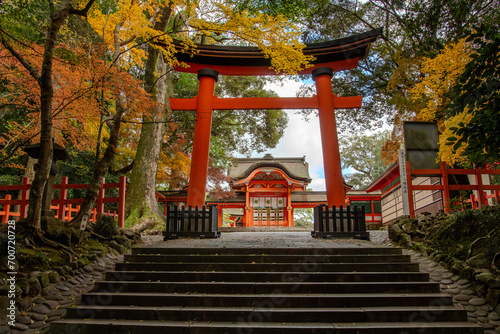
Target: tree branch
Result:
[[26, 64], [84, 11]]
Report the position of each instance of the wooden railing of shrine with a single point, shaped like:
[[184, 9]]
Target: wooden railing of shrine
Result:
[[65, 208], [478, 201], [340, 222], [192, 222]]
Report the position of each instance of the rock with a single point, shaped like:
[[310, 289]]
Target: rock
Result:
[[479, 261], [35, 287], [24, 319], [41, 309], [52, 304], [37, 316], [44, 279], [18, 326], [477, 301], [36, 325], [54, 276], [49, 291], [88, 268], [462, 297], [395, 232], [494, 316]]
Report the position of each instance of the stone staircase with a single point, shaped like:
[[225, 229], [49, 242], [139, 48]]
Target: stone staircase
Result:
[[265, 290]]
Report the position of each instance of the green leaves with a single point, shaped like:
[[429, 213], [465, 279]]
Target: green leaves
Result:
[[478, 94]]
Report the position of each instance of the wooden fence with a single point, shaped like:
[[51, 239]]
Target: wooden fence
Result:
[[339, 222], [65, 208], [476, 201], [192, 222]]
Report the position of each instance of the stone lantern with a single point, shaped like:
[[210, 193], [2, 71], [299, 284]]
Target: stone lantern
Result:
[[59, 153]]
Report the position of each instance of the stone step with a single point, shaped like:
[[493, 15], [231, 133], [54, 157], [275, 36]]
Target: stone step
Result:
[[289, 276], [276, 299], [269, 251], [265, 258], [266, 287], [256, 314], [269, 267], [107, 326]]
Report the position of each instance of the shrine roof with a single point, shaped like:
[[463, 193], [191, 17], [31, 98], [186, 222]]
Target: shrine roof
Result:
[[296, 168], [340, 54], [387, 176]]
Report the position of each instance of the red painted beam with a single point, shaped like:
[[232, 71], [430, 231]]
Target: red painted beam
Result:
[[250, 103], [340, 65]]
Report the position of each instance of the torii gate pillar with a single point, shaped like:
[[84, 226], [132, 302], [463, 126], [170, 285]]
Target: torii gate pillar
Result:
[[329, 140], [201, 139]]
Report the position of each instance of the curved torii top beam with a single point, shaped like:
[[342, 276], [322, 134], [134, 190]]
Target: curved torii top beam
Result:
[[341, 54]]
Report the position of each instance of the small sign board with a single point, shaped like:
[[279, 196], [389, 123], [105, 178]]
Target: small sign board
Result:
[[404, 183], [422, 144], [85, 220]]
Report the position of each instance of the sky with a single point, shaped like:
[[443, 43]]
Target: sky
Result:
[[301, 138]]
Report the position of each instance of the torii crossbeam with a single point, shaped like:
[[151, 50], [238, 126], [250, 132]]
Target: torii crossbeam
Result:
[[210, 61]]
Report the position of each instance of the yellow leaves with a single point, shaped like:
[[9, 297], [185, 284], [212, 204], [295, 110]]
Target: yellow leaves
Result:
[[275, 36], [446, 152], [439, 76]]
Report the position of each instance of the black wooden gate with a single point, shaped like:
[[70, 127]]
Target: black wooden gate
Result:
[[340, 222], [192, 222]]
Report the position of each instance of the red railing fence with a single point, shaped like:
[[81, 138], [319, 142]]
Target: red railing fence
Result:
[[65, 208], [478, 201]]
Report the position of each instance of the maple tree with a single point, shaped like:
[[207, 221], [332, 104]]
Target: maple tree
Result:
[[10, 38]]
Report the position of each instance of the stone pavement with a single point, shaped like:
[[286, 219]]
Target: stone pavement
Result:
[[66, 294]]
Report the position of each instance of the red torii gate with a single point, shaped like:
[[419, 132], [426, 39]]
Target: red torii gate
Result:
[[210, 61]]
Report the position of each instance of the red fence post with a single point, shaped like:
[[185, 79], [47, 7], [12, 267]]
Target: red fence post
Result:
[[62, 197], [6, 210], [24, 198], [473, 201], [480, 189], [122, 189], [446, 187], [100, 201]]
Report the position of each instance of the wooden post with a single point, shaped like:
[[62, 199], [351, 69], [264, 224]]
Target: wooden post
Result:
[[410, 190], [122, 189], [24, 198], [446, 187], [219, 223], [69, 209], [201, 139], [329, 140], [473, 201], [480, 190], [6, 210], [100, 202], [63, 193]]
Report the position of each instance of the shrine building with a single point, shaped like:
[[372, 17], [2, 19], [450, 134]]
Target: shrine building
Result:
[[268, 190]]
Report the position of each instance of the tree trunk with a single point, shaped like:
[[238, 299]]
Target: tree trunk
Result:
[[141, 205], [101, 168], [47, 93]]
